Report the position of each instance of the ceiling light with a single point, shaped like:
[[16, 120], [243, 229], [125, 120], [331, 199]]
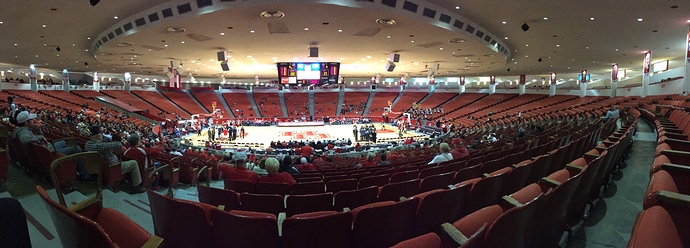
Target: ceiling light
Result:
[[441, 49], [15, 44], [166, 45], [457, 7], [505, 38], [88, 38], [193, 61], [504, 22], [340, 30], [306, 29], [388, 36], [342, 58], [44, 25], [368, 57], [295, 58], [546, 18], [4, 23], [558, 45], [115, 17], [210, 60], [249, 56], [412, 41], [222, 33], [526, 44], [688, 21], [182, 42], [252, 31], [639, 19], [591, 18]]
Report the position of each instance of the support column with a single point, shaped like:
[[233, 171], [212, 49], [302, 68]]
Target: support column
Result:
[[583, 89], [65, 80], [492, 85], [552, 89], [462, 84], [96, 82], [521, 88], [128, 82], [522, 84], [432, 88], [614, 88], [686, 79], [32, 78], [645, 86], [462, 88]]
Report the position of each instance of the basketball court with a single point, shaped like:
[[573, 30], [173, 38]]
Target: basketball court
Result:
[[265, 135]]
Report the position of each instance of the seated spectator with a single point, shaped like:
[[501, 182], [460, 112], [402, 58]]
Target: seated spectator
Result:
[[384, 160], [444, 156], [305, 165], [286, 166], [96, 144], [144, 156], [26, 133], [274, 176], [319, 161], [239, 172], [459, 151], [369, 162], [260, 167]]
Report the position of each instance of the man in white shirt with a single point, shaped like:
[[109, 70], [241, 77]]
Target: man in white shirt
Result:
[[445, 155]]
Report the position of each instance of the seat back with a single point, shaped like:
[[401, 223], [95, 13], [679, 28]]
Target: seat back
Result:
[[355, 198], [517, 178], [303, 188], [430, 171], [244, 229], [273, 188], [474, 226], [336, 186], [429, 240], [216, 197], [299, 204], [376, 180], [660, 227], [578, 201], [551, 215], [404, 176], [438, 181], [393, 191], [467, 173], [383, 224], [240, 186], [74, 229], [264, 203], [173, 218], [318, 229], [439, 206], [512, 228], [485, 191]]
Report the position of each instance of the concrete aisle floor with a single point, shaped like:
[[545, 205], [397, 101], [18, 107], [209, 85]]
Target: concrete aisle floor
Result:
[[610, 222]]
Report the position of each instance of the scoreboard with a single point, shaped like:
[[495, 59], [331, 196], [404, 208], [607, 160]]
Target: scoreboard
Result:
[[308, 72]]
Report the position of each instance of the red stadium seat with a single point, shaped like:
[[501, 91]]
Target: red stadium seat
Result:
[[303, 188], [660, 227], [550, 224], [355, 198], [472, 226], [404, 176], [485, 191], [299, 204], [173, 218], [216, 197], [439, 181], [376, 180], [273, 188], [327, 229], [272, 204], [513, 228], [383, 224], [439, 206], [244, 229], [240, 186], [393, 191], [429, 240], [336, 186]]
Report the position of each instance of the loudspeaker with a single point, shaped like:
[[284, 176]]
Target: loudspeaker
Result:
[[525, 27], [390, 66], [395, 57], [225, 65], [435, 66], [222, 56], [313, 52], [169, 74]]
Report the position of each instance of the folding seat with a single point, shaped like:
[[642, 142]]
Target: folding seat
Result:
[[240, 186], [517, 177], [474, 161], [303, 179], [389, 172], [272, 204], [217, 197], [558, 188], [576, 209], [169, 213], [66, 175], [439, 206], [336, 186], [467, 173], [376, 180], [273, 188], [87, 223], [244, 229], [318, 229], [485, 191], [329, 178], [383, 224], [455, 166], [601, 178], [541, 165], [439, 181], [430, 171], [670, 157], [469, 231], [659, 226], [404, 176], [671, 178], [393, 191], [355, 198], [513, 228], [429, 240], [188, 173], [299, 204], [303, 188]]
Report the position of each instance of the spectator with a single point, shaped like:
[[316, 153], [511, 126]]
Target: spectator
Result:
[[369, 162], [305, 165], [96, 144], [274, 176], [144, 156], [14, 231], [384, 160], [459, 151], [260, 167], [240, 171], [444, 156]]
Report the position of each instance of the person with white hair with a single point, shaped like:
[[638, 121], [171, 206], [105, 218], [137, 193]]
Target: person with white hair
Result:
[[445, 155], [274, 176]]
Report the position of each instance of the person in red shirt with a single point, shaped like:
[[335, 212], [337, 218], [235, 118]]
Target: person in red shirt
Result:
[[330, 146], [305, 166], [459, 150], [273, 176], [369, 162], [306, 151], [144, 156], [239, 172]]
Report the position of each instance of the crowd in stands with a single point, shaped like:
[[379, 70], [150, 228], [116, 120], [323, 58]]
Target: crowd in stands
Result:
[[353, 108]]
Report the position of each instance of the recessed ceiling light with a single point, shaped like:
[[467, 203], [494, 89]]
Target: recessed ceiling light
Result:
[[457, 7], [88, 38], [504, 22], [306, 29], [368, 57], [182, 42], [412, 41], [210, 60], [295, 58], [252, 31], [274, 58], [388, 36], [688, 21], [558, 45], [222, 34], [526, 44], [166, 45], [115, 17], [441, 48], [4, 23], [546, 18], [591, 18], [44, 25], [639, 19], [340, 30], [586, 47], [193, 61], [505, 38], [342, 58], [15, 44]]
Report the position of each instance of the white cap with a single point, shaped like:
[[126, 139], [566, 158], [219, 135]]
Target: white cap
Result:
[[25, 116]]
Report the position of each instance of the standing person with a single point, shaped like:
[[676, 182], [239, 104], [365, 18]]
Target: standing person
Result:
[[242, 132], [96, 144], [354, 131], [12, 110]]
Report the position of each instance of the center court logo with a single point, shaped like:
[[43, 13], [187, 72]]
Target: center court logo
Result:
[[305, 135]]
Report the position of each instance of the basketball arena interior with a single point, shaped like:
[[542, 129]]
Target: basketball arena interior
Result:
[[344, 123]]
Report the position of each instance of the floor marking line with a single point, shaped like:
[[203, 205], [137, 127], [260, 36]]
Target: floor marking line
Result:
[[42, 229], [137, 206]]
